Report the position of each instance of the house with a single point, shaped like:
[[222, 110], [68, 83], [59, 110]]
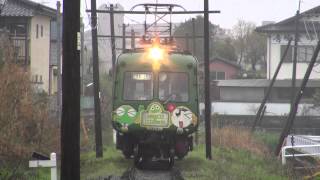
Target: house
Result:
[[29, 26], [278, 35], [221, 69]]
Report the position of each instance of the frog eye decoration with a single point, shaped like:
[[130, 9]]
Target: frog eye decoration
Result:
[[120, 111], [125, 114], [155, 108], [132, 112]]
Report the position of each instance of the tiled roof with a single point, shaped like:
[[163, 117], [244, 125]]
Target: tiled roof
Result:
[[288, 25], [25, 8]]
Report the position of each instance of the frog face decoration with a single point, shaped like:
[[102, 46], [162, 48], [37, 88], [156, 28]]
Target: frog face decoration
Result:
[[182, 117], [155, 108], [125, 115], [155, 116]]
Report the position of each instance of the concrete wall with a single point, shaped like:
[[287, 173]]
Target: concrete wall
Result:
[[242, 94], [39, 50]]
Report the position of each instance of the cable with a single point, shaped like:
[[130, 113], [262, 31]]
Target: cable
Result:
[[132, 20]]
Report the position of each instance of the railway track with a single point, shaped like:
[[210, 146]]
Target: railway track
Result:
[[137, 174]]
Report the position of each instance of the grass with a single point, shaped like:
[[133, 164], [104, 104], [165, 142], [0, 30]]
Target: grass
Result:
[[236, 155], [112, 163], [24, 173], [226, 164], [229, 164]]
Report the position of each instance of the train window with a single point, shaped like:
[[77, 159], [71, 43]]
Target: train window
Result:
[[173, 87], [138, 86]]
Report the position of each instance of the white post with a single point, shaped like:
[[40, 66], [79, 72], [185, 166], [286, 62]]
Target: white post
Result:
[[53, 157], [52, 163], [283, 155]]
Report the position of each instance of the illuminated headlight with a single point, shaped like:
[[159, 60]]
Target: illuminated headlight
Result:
[[156, 53]]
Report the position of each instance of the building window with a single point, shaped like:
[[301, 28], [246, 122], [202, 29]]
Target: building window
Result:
[[37, 31], [41, 31], [304, 53], [214, 75]]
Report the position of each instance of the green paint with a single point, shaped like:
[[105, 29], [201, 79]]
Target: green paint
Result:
[[125, 114], [157, 116]]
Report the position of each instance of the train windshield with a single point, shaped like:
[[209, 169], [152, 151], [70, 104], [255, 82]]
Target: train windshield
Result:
[[173, 87], [138, 86]]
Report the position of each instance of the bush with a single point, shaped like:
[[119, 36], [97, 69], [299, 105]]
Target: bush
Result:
[[238, 138], [24, 124]]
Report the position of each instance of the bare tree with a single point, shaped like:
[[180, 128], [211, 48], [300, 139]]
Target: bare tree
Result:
[[250, 46]]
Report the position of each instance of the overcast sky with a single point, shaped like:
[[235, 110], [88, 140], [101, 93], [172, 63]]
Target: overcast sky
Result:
[[231, 10]]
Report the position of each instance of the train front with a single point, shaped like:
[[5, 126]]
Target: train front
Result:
[[155, 103]]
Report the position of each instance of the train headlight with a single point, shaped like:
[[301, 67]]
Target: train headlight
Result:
[[156, 53]]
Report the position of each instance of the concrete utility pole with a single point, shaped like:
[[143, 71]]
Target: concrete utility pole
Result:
[[133, 39], [123, 37], [207, 81], [113, 41], [59, 88], [194, 37], [295, 56], [187, 41], [95, 64], [82, 56], [70, 122]]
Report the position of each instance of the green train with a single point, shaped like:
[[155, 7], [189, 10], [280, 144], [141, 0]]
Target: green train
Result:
[[155, 103]]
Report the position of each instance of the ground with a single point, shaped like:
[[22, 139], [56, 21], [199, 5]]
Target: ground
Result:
[[226, 164]]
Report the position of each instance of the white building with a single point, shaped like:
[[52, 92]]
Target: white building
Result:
[[278, 36], [104, 43], [29, 26]]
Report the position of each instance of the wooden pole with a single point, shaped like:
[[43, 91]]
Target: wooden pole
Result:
[[70, 124], [96, 86], [113, 43], [207, 81]]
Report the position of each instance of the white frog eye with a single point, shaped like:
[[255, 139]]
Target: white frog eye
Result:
[[132, 112], [120, 111]]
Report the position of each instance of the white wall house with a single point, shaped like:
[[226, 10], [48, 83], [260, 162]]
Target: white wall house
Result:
[[278, 36], [29, 26]]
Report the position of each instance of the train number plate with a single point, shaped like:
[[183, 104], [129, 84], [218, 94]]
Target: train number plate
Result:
[[155, 119]]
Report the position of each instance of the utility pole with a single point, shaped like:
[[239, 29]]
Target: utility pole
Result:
[[187, 41], [82, 56], [59, 88], [133, 39], [95, 67], [207, 81], [123, 37], [70, 122], [193, 37], [113, 43], [194, 53], [262, 105], [293, 110], [295, 55]]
